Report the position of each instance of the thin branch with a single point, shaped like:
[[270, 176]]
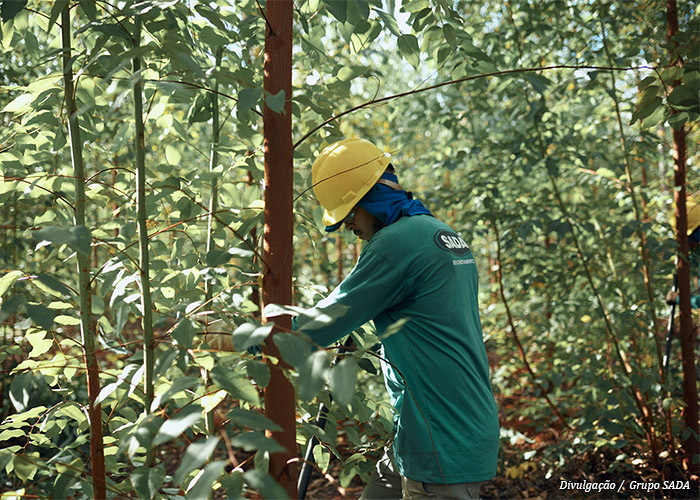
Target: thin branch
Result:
[[460, 80], [516, 337], [262, 13]]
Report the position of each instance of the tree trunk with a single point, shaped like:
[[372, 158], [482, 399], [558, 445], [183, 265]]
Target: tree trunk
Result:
[[213, 163], [87, 321], [146, 320], [277, 238], [213, 207], [690, 392]]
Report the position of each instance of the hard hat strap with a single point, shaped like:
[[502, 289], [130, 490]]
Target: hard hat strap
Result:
[[391, 184]]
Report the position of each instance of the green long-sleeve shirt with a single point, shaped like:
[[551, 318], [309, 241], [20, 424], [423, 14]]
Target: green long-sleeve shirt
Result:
[[436, 370]]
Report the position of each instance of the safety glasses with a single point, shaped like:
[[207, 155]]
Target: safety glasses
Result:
[[350, 217]]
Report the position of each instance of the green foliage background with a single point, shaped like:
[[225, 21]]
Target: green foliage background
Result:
[[561, 179]]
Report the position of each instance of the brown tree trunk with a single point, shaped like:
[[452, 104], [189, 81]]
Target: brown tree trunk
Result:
[[277, 238], [690, 392]]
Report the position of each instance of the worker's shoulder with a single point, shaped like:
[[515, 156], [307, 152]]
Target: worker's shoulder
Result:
[[409, 233]]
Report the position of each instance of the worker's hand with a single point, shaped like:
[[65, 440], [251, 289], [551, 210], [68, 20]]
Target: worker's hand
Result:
[[672, 298]]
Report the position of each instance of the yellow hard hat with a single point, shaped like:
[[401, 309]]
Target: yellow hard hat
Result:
[[692, 207], [343, 173]]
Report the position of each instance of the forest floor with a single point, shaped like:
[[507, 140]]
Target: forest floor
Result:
[[533, 486]]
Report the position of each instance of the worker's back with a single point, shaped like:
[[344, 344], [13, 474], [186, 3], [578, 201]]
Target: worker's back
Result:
[[447, 408]]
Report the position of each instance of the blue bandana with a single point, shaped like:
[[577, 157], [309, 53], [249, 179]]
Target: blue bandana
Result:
[[388, 204], [695, 236]]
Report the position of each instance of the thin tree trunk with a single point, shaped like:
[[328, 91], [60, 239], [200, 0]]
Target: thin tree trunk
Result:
[[641, 402], [691, 447], [87, 321], [147, 318], [639, 215], [213, 207], [278, 230], [499, 276], [213, 162], [339, 248], [639, 398]]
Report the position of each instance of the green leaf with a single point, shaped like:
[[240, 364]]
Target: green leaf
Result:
[[658, 115], [178, 423], [144, 433], [249, 334], [367, 366], [19, 104], [19, 420], [10, 306], [312, 375], [258, 371], [322, 457], [389, 21], [415, 5], [253, 420], [76, 237], [63, 481], [648, 97], [89, 7], [25, 465], [172, 155], [217, 258], [10, 8], [184, 333], [6, 458], [42, 316], [538, 82], [212, 16], [211, 37], [342, 380], [148, 480], [276, 102], [274, 310], [648, 108], [108, 389], [196, 454], [248, 99], [178, 385], [54, 284], [8, 280], [676, 120], [200, 487], [294, 349], [338, 9], [265, 484], [450, 36], [357, 11], [236, 385], [40, 344], [20, 387], [646, 82], [56, 12], [360, 41], [684, 98], [253, 441], [233, 483], [408, 46]]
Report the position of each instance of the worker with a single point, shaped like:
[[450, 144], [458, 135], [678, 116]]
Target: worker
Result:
[[415, 268], [693, 211]]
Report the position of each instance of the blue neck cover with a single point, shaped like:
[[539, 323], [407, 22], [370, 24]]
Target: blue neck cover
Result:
[[695, 236], [388, 204]]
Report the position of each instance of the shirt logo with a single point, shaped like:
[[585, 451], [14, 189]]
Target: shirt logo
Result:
[[447, 240]]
